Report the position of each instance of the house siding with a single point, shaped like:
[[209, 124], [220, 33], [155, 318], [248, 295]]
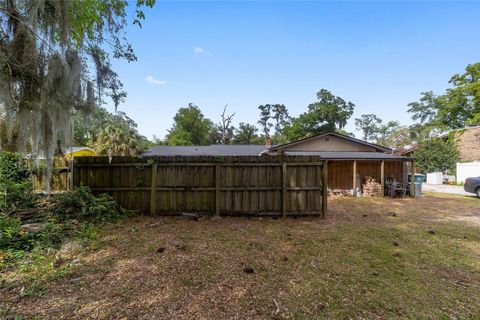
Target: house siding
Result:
[[468, 144], [328, 143]]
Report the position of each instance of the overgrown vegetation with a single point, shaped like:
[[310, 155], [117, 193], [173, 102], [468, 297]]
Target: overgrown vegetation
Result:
[[372, 258], [33, 228], [48, 50], [437, 155], [74, 214], [15, 182]]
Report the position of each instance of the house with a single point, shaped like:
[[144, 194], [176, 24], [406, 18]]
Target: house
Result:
[[79, 152], [350, 160], [468, 143]]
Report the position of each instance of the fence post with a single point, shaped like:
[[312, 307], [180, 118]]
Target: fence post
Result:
[[153, 189], [71, 173], [217, 189], [324, 188], [284, 189]]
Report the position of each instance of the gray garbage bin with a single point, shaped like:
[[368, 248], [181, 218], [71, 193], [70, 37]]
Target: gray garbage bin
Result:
[[418, 189]]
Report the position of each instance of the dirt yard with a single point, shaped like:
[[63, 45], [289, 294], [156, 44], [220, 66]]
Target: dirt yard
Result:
[[370, 259]]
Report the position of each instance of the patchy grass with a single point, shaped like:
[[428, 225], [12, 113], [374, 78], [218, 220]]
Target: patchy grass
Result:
[[370, 259]]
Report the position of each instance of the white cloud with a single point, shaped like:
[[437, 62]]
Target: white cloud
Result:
[[152, 80], [198, 50]]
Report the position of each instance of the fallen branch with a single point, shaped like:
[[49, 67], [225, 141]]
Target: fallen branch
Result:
[[192, 216], [277, 307]]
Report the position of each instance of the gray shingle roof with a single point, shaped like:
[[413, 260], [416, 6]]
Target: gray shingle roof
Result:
[[212, 150], [255, 150], [346, 155]]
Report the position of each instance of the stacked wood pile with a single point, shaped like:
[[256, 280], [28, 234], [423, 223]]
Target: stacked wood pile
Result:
[[338, 193], [372, 188]]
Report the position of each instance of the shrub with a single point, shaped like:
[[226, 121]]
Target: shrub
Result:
[[82, 205], [13, 237], [12, 167], [16, 190], [73, 215]]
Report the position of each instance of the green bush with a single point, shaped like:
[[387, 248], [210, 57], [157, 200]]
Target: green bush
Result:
[[75, 215], [437, 155], [12, 167], [16, 190], [80, 204], [13, 237]]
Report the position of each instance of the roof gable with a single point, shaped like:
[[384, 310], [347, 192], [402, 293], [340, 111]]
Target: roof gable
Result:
[[330, 142]]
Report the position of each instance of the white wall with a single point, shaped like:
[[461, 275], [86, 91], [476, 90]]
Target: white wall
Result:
[[467, 169]]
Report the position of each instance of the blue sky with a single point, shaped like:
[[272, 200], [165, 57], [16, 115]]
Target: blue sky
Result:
[[379, 55]]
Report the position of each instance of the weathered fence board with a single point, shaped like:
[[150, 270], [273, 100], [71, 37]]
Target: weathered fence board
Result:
[[60, 175], [217, 185]]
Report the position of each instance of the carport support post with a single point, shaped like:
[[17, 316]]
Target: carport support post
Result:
[[382, 178], [354, 177], [412, 180], [324, 188], [153, 189]]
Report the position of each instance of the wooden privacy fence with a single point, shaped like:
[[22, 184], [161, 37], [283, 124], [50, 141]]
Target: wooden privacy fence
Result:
[[266, 185], [60, 175]]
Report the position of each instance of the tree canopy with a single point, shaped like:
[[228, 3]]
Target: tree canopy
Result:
[[48, 50], [369, 125], [329, 113], [457, 107], [190, 127], [246, 134], [393, 134], [109, 134]]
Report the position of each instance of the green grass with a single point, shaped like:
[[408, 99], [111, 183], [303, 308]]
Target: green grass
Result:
[[406, 259]]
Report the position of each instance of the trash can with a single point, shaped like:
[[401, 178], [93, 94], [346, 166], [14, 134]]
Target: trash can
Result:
[[418, 177], [418, 189], [417, 180]]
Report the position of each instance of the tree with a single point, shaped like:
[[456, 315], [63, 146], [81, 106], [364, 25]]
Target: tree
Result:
[[86, 127], [47, 52], [246, 134], [425, 110], [265, 117], [393, 134], [190, 127], [437, 155], [457, 107], [328, 114], [281, 117], [119, 137], [369, 125], [463, 100], [225, 126]]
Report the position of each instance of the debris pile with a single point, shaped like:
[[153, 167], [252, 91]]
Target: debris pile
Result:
[[338, 193]]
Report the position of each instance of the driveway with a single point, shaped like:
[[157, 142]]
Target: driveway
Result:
[[445, 188]]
